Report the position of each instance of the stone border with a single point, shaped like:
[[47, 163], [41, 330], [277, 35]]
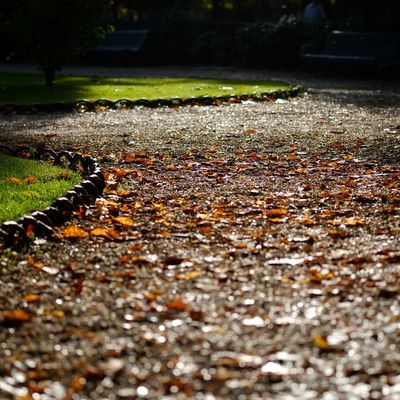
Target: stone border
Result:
[[41, 222], [121, 104]]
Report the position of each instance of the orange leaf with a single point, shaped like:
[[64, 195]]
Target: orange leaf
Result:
[[16, 316], [170, 167], [301, 170], [31, 179], [122, 172], [105, 232], [64, 176], [31, 298], [177, 304], [124, 259], [124, 221], [275, 212], [14, 180], [74, 232], [250, 131]]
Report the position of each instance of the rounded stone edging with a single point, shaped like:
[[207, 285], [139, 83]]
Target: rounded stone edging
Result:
[[104, 104], [41, 223]]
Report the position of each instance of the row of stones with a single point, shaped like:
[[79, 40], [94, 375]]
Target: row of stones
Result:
[[40, 223], [104, 104]]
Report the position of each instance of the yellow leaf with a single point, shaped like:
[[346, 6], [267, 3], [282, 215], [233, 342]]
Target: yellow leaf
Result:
[[74, 232], [105, 232], [124, 221], [353, 222], [322, 343], [189, 276]]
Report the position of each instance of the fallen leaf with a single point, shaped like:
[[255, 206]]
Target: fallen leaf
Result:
[[31, 179], [189, 276], [74, 232], [249, 131], [322, 343], [31, 298], [301, 170], [124, 221], [105, 232], [14, 180], [15, 316], [353, 222], [177, 304]]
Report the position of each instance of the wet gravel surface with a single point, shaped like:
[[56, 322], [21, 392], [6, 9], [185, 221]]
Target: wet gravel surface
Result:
[[245, 251]]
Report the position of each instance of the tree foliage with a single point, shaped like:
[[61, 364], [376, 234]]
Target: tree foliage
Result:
[[55, 31]]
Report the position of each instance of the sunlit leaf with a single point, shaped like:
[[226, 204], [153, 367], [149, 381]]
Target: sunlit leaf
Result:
[[353, 222], [124, 221], [15, 316], [189, 275], [322, 343], [14, 180], [74, 232], [105, 232]]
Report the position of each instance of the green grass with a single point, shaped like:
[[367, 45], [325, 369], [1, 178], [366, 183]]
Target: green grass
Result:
[[29, 89], [27, 185]]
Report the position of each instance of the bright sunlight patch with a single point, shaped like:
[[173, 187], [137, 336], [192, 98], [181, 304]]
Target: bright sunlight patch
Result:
[[29, 89]]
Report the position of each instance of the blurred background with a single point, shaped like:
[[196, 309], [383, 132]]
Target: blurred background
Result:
[[243, 33]]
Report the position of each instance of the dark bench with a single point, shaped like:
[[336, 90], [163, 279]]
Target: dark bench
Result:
[[357, 49], [119, 47]]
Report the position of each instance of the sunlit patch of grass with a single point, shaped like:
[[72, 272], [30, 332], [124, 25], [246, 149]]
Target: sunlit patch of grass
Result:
[[29, 89], [27, 185]]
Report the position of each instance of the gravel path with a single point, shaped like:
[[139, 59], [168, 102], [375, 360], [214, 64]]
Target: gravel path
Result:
[[245, 251]]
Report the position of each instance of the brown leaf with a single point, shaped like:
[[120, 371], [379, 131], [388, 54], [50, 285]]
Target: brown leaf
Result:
[[63, 176]]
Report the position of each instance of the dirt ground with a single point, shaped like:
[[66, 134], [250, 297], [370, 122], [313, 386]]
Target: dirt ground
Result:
[[246, 251]]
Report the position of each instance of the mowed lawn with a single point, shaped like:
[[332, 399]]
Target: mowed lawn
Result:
[[27, 185], [25, 89]]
